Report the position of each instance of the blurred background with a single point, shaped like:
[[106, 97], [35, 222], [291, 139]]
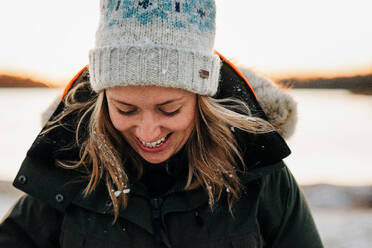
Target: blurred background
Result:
[[320, 49]]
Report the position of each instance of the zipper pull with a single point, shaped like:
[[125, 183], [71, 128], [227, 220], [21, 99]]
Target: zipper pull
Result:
[[156, 204]]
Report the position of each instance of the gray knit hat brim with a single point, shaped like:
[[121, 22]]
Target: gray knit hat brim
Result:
[[162, 66]]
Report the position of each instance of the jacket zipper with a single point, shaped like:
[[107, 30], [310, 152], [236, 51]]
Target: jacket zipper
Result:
[[160, 236]]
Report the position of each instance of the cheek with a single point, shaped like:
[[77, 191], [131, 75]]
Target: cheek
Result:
[[118, 121], [185, 122]]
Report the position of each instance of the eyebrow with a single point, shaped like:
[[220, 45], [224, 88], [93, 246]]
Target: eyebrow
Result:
[[160, 104]]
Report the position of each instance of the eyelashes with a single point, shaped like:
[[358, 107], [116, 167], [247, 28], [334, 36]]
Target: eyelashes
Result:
[[125, 112], [171, 113], [131, 112]]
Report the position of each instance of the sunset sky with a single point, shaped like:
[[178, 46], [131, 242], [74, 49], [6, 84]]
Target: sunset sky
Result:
[[49, 40]]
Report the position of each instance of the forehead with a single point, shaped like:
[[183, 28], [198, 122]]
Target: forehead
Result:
[[148, 94]]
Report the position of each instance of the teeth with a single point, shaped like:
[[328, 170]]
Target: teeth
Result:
[[153, 144]]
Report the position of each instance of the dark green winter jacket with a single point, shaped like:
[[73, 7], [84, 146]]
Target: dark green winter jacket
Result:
[[272, 211]]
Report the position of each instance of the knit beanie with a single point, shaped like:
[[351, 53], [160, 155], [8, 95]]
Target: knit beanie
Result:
[[156, 42]]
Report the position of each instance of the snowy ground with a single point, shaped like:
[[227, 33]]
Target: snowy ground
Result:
[[341, 226], [6, 201], [344, 228]]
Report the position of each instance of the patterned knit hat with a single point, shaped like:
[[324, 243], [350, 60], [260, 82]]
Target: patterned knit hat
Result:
[[156, 42]]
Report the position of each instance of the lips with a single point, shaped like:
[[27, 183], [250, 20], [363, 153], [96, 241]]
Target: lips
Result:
[[155, 146], [155, 143]]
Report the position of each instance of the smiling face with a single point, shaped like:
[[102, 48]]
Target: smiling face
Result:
[[155, 121]]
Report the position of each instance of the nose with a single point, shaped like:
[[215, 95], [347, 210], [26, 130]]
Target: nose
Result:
[[148, 129]]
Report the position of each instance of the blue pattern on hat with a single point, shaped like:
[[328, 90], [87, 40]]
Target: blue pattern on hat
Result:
[[200, 13], [178, 24], [146, 10]]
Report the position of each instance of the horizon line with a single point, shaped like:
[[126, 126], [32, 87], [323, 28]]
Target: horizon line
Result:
[[287, 74]]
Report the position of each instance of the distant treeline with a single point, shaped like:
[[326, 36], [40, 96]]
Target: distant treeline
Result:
[[12, 81], [358, 84]]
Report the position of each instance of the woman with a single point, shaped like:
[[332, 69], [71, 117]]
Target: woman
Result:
[[161, 144]]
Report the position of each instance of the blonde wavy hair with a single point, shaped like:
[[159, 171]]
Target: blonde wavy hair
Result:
[[214, 160]]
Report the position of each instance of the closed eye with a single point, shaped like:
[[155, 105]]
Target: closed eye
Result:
[[171, 113], [134, 110], [126, 112]]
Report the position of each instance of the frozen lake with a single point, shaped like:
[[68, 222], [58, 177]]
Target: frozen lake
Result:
[[331, 144]]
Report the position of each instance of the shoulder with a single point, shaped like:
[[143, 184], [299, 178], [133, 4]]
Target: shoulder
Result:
[[31, 223], [280, 179], [29, 208], [281, 200], [279, 187], [284, 214]]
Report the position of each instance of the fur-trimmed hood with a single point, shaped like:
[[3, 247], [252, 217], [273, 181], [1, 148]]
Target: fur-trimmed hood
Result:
[[262, 153]]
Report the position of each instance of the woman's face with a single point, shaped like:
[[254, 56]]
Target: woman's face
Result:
[[155, 121]]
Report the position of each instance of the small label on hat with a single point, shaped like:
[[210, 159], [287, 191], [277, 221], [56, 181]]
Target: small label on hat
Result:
[[204, 74]]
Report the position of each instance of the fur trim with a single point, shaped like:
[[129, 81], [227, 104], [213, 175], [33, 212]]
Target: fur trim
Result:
[[278, 105], [47, 113]]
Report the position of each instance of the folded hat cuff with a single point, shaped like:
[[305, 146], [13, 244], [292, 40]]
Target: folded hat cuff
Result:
[[160, 66]]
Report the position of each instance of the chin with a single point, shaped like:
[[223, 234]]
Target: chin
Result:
[[155, 159]]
